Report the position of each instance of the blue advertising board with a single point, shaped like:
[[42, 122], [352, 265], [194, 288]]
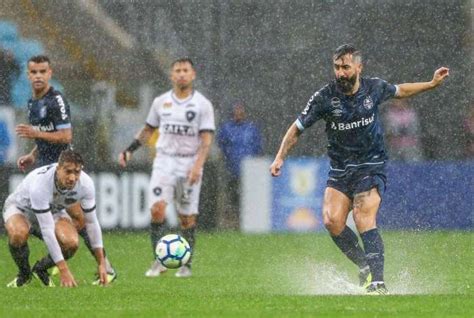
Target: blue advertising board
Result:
[[297, 195]]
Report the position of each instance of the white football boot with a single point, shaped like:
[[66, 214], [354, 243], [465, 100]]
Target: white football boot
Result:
[[155, 269]]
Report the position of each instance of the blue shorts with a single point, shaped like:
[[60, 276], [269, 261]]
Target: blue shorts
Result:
[[359, 181]]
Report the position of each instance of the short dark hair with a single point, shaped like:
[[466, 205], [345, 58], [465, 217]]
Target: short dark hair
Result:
[[70, 156], [40, 59], [347, 49], [183, 60]]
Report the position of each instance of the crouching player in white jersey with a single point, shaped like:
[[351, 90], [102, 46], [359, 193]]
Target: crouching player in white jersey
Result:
[[185, 119], [39, 204]]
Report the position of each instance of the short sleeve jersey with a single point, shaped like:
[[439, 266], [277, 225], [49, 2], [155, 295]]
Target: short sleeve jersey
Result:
[[49, 113], [353, 125], [38, 192], [180, 122]]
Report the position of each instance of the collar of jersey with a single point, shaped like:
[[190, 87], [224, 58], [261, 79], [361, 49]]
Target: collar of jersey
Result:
[[181, 101]]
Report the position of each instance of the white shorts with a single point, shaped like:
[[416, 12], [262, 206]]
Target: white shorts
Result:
[[168, 183], [10, 209]]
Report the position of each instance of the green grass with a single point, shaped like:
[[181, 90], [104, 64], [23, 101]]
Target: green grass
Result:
[[236, 275]]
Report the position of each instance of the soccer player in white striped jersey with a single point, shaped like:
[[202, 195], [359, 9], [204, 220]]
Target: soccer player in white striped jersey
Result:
[[185, 119], [38, 206]]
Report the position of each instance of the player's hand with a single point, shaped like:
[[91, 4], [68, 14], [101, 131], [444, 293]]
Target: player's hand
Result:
[[102, 275], [66, 278], [124, 157], [439, 75], [24, 162], [275, 168], [26, 131], [194, 175]]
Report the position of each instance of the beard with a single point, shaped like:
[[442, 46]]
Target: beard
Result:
[[346, 84]]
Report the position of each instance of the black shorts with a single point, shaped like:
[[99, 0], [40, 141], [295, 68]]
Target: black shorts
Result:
[[359, 181]]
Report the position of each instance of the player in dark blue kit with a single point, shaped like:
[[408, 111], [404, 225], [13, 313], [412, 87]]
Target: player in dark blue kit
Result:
[[50, 127], [350, 107]]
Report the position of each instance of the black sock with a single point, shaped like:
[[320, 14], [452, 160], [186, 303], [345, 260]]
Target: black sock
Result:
[[374, 251], [87, 241], [21, 255], [348, 243], [188, 235], [157, 231], [47, 262]]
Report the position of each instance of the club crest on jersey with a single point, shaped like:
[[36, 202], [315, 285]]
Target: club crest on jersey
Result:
[[190, 115], [335, 102], [368, 103], [167, 105], [42, 112]]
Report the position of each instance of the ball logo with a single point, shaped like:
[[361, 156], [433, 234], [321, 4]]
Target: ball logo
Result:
[[368, 103]]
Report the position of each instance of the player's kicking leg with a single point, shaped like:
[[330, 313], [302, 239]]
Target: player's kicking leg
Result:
[[157, 231], [18, 227], [335, 211], [366, 205]]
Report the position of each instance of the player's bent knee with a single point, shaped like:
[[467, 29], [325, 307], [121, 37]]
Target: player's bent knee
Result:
[[67, 235], [68, 241], [158, 211], [18, 237], [333, 225]]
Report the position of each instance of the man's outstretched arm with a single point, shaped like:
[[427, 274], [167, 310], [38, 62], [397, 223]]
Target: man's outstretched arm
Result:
[[410, 89], [290, 139]]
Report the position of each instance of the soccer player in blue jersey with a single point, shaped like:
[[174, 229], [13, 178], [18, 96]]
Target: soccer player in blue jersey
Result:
[[350, 107], [50, 127]]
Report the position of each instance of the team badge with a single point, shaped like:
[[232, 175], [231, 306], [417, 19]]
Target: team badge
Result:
[[335, 102], [157, 191], [190, 115], [42, 112], [368, 103], [167, 105]]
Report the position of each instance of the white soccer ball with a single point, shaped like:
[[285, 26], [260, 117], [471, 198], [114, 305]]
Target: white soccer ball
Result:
[[173, 251]]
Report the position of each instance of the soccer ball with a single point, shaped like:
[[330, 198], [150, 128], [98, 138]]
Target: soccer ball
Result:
[[173, 251]]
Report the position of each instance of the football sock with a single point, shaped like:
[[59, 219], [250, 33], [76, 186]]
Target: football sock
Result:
[[47, 262], [21, 255], [157, 231], [85, 236], [348, 243], [374, 251], [189, 236]]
